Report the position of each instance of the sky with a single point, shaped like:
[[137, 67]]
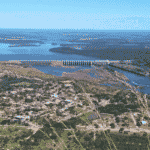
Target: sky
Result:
[[75, 14]]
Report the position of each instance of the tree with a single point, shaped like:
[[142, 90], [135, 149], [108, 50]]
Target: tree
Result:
[[26, 124], [108, 130], [125, 124], [125, 118], [19, 121], [96, 125], [18, 112], [112, 125], [145, 134], [139, 123], [31, 118], [58, 113], [121, 130], [117, 119], [145, 117]]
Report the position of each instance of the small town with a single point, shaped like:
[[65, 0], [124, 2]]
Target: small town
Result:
[[66, 105]]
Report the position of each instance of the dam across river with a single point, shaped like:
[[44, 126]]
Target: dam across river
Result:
[[63, 62]]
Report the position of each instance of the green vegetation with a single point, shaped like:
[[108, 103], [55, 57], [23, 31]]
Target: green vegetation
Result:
[[86, 103], [72, 122], [78, 110], [72, 110], [85, 116], [11, 136]]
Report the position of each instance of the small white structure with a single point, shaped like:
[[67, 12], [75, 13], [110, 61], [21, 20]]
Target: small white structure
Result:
[[13, 92], [55, 95]]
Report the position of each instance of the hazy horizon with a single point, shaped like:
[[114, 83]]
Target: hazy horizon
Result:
[[78, 29]]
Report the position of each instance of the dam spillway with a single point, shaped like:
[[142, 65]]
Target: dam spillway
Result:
[[77, 63]]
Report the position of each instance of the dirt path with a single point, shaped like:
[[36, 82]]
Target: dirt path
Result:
[[34, 127], [133, 118]]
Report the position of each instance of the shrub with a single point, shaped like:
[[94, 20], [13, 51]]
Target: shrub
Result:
[[145, 134]]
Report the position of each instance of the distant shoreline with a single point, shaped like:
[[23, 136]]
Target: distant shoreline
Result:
[[110, 54]]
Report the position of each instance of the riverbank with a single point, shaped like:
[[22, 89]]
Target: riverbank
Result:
[[132, 68]]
